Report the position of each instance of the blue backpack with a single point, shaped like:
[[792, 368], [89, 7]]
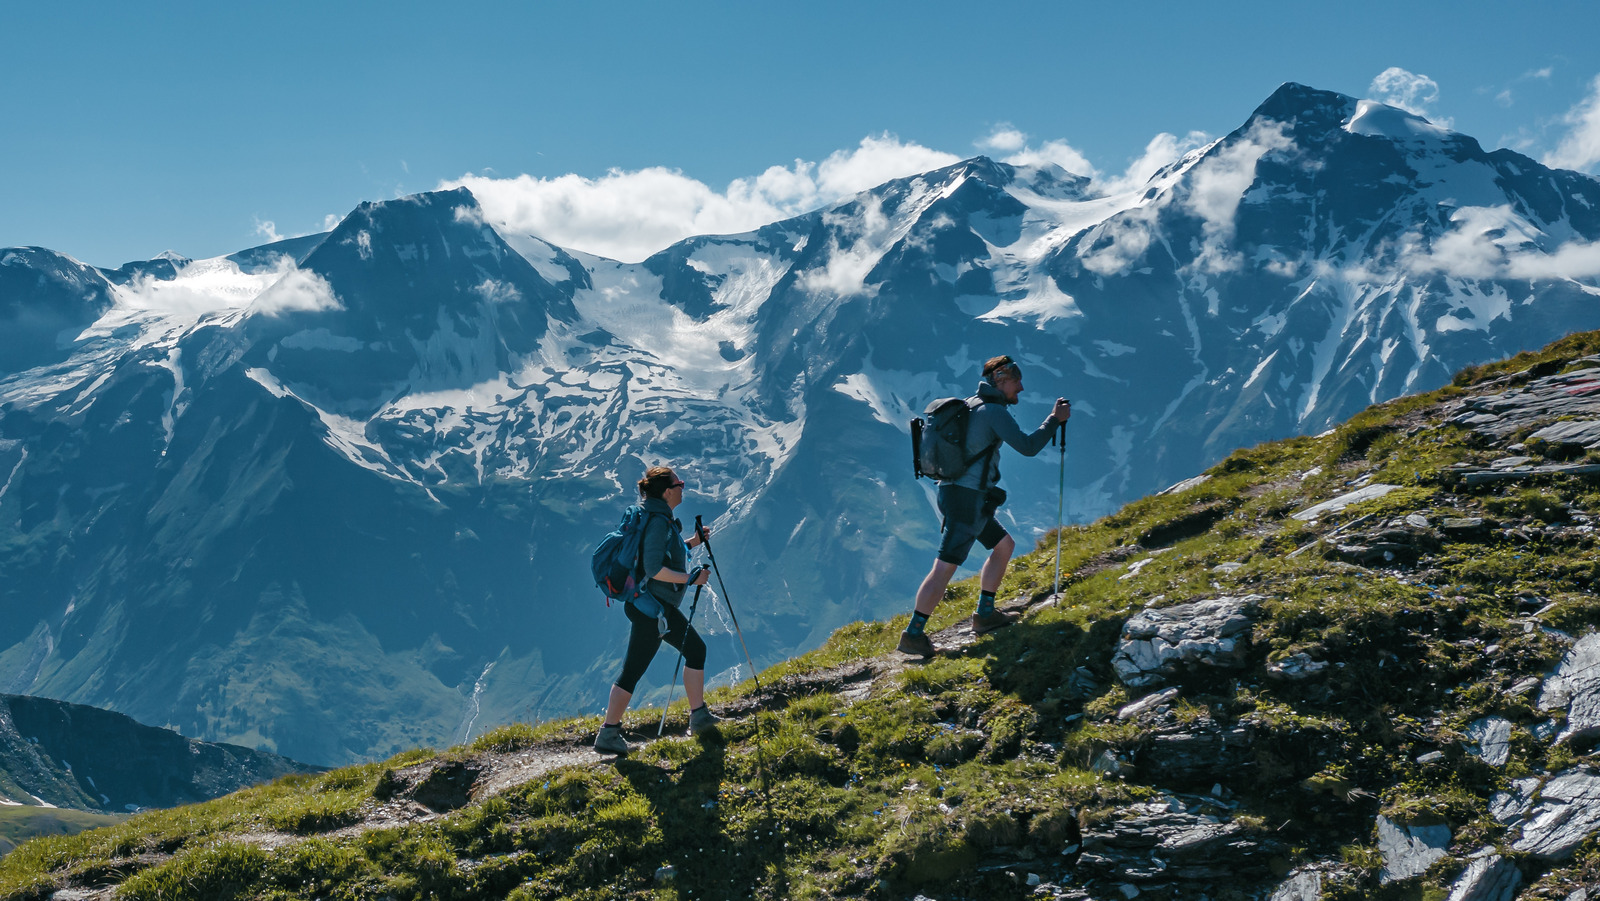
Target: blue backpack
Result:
[[618, 569]]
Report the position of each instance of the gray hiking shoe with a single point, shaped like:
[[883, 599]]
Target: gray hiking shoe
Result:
[[994, 620], [702, 720], [609, 740], [916, 644]]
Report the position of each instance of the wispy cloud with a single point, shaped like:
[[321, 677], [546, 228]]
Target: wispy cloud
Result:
[[1579, 148], [1219, 184], [1163, 150], [1497, 243], [628, 215], [218, 285]]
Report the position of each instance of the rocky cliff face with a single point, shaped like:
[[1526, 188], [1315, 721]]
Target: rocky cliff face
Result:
[[345, 483], [72, 756]]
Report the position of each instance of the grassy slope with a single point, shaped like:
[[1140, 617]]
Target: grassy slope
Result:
[[18, 824], [980, 755]]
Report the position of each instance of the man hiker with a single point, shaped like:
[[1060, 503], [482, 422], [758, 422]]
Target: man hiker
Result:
[[968, 502]]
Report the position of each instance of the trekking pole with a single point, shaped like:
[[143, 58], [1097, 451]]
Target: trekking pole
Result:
[[671, 689], [761, 763], [706, 540], [1059, 437]]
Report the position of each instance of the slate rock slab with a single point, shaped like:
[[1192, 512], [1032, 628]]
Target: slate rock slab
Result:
[[1305, 885], [1159, 643], [1575, 686], [1409, 850], [1366, 493], [1565, 814], [1489, 877], [1493, 737], [1166, 843]]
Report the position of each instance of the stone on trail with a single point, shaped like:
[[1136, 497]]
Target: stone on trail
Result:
[[1156, 644], [1493, 737], [1409, 850], [1305, 885]]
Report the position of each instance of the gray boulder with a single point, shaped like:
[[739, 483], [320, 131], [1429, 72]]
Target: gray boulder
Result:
[[1566, 813], [1157, 644], [1575, 686], [1409, 850], [1489, 877]]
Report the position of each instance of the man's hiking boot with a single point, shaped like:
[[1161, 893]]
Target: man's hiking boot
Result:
[[609, 740], [917, 644], [702, 720], [991, 621]]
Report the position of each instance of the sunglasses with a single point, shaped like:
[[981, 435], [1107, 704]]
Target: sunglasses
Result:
[[678, 484]]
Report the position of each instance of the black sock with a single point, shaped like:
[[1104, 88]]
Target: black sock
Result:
[[918, 620]]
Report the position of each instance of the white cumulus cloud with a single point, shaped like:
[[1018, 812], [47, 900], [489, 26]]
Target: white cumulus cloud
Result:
[[1579, 148], [629, 215], [1406, 90]]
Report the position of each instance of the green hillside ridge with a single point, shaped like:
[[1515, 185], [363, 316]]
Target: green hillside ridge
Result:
[[991, 770]]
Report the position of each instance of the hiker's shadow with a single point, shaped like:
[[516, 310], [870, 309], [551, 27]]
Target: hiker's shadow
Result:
[[694, 808]]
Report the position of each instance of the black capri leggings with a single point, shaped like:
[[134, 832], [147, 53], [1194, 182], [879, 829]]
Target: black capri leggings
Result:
[[646, 640]]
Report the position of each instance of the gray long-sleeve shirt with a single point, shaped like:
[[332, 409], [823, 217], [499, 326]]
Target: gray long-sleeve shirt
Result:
[[992, 423], [662, 545]]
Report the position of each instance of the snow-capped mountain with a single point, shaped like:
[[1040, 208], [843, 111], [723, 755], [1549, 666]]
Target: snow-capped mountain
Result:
[[334, 496]]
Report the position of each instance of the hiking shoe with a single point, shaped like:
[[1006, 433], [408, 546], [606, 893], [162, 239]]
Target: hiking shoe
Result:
[[994, 620], [916, 644], [609, 740], [702, 720]]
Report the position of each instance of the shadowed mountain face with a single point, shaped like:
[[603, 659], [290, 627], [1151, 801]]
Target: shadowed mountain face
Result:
[[68, 755], [345, 508]]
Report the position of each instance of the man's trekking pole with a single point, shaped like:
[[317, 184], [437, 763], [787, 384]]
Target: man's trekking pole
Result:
[[671, 689], [1059, 437]]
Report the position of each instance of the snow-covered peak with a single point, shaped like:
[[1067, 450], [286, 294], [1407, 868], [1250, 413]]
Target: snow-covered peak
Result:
[[1380, 120]]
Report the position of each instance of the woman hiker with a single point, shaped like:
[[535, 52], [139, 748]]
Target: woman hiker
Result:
[[655, 613]]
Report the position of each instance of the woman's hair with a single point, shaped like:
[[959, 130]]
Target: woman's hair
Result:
[[656, 481], [998, 366]]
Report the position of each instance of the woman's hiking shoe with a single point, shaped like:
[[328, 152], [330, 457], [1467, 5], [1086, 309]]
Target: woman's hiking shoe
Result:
[[917, 644], [609, 740], [991, 621], [702, 720]]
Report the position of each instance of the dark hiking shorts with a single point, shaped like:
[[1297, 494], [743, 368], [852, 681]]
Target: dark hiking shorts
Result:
[[968, 516]]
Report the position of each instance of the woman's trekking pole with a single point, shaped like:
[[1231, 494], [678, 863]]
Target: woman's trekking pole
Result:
[[1060, 438], [706, 540], [671, 689], [761, 756]]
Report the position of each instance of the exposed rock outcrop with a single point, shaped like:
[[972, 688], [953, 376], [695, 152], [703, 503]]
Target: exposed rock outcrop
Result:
[[1159, 643], [1575, 687]]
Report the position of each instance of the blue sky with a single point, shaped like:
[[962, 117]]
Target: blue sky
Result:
[[136, 128]]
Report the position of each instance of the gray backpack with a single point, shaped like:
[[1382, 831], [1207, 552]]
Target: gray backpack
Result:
[[939, 442]]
